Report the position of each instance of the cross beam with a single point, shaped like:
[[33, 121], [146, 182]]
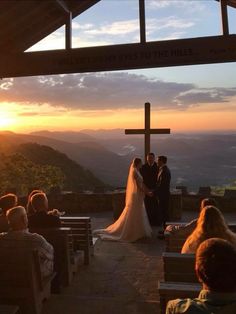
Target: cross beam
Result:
[[203, 50], [147, 131]]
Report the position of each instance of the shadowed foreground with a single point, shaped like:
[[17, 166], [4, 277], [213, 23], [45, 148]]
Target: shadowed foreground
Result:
[[122, 278]]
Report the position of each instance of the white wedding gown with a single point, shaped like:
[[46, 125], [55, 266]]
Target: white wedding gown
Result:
[[133, 222]]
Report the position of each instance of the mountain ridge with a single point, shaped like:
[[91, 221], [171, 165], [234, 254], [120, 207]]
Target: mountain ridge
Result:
[[197, 160]]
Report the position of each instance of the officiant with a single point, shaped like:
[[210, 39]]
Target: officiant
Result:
[[149, 172]]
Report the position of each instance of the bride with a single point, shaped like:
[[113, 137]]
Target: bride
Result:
[[133, 223]]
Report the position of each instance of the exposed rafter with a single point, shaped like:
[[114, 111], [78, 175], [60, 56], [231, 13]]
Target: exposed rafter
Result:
[[231, 3], [23, 23]]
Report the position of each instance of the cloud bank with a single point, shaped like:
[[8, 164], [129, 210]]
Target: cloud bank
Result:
[[109, 91]]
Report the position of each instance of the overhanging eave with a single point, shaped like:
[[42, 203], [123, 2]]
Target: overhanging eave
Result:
[[203, 50]]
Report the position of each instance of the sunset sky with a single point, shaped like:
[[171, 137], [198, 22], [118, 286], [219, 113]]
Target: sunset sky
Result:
[[189, 98]]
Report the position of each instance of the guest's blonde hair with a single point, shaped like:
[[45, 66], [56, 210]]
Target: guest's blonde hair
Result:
[[210, 224]]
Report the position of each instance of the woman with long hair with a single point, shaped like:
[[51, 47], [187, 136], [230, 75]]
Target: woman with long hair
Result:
[[133, 222], [29, 208], [210, 224]]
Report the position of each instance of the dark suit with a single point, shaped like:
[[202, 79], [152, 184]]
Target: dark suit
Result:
[[43, 220], [149, 174], [163, 192]]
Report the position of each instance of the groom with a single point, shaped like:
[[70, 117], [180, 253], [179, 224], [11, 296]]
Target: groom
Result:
[[162, 190], [149, 172]]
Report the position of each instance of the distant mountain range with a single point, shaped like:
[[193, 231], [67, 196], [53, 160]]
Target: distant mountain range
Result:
[[76, 177], [194, 159], [103, 163]]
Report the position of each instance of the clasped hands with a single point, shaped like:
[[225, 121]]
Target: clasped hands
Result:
[[150, 193]]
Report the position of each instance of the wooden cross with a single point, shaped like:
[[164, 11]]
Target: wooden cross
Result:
[[147, 131]]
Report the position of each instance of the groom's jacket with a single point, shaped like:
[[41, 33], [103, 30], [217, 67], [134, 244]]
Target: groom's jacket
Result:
[[149, 174], [163, 182]]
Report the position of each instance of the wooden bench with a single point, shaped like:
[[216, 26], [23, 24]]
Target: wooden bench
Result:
[[21, 282], [82, 234], [180, 278], [179, 267], [174, 290], [175, 241], [62, 242]]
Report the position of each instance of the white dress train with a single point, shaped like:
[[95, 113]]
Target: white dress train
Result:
[[133, 222]]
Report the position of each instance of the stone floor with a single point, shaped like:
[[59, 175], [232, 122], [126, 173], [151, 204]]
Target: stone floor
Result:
[[121, 278]]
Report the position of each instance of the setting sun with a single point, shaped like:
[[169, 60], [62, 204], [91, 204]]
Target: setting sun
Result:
[[6, 121]]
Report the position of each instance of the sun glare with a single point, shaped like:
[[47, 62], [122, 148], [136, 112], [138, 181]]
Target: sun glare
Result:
[[6, 122]]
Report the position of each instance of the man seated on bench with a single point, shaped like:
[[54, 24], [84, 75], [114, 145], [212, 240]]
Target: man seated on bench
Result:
[[41, 218], [187, 229], [6, 202], [216, 269], [19, 237]]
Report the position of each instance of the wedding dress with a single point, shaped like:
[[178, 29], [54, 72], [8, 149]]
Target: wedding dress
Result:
[[133, 222]]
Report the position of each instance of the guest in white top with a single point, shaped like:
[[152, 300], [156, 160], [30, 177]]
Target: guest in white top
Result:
[[19, 237]]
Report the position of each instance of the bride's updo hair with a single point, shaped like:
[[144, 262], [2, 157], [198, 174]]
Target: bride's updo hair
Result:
[[136, 162]]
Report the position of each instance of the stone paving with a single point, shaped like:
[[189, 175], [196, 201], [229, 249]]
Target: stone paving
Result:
[[121, 278]]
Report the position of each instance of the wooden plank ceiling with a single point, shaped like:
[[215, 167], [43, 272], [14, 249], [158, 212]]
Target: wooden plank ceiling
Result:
[[23, 23]]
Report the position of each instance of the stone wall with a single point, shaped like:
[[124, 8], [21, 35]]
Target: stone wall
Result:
[[81, 203], [78, 203], [192, 202], [75, 203]]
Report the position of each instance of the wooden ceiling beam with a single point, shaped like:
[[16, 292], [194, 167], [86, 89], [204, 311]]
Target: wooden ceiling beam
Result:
[[231, 3], [203, 50]]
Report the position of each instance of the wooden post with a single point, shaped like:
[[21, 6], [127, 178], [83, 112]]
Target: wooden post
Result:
[[142, 21], [68, 36], [224, 17]]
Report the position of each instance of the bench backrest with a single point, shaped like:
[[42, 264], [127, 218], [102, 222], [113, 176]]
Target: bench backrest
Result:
[[174, 243], [20, 278], [82, 225], [179, 267], [82, 234], [61, 241]]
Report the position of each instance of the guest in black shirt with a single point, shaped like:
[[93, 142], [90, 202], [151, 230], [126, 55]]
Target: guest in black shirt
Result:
[[29, 208], [41, 218]]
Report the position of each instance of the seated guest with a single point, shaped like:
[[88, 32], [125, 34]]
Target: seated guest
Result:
[[216, 270], [41, 217], [19, 237], [187, 229], [210, 224], [6, 202], [29, 208]]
